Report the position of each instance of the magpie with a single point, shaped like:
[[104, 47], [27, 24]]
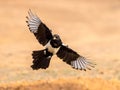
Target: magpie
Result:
[[53, 46]]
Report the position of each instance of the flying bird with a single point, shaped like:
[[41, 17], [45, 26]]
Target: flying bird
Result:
[[53, 46]]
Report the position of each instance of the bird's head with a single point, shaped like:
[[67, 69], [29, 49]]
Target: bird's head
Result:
[[56, 41], [56, 37]]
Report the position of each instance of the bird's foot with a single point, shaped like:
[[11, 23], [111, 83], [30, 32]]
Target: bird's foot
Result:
[[45, 52], [48, 57]]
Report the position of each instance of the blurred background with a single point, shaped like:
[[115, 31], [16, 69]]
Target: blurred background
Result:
[[91, 27]]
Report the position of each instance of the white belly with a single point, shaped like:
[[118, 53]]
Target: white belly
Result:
[[51, 49]]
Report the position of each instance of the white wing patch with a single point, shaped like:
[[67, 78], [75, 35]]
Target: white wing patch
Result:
[[82, 64], [33, 22]]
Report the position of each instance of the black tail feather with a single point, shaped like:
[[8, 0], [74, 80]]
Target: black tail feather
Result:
[[40, 60]]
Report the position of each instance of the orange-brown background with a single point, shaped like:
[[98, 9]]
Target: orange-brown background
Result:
[[91, 27]]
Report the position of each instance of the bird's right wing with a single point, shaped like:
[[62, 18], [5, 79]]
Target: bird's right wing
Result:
[[74, 59], [40, 30]]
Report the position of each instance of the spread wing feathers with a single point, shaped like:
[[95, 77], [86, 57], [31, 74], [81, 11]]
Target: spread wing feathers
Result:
[[39, 29], [40, 60], [72, 58]]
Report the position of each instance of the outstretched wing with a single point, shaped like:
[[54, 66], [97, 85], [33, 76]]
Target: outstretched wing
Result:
[[72, 58], [39, 29]]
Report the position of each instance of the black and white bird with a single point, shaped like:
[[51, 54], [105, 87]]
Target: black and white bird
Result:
[[53, 46]]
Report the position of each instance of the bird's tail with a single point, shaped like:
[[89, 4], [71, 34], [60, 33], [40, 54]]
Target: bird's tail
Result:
[[41, 59]]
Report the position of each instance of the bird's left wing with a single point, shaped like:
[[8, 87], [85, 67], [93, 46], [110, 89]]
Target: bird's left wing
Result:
[[74, 59], [40, 30]]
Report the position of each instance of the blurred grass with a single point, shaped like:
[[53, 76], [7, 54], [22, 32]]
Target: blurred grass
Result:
[[79, 83]]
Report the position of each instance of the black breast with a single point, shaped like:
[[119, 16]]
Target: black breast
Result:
[[56, 43]]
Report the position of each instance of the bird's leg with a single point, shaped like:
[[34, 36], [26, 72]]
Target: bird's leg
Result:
[[47, 54], [49, 57]]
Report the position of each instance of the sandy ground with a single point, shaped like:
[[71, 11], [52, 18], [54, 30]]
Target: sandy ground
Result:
[[92, 28]]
